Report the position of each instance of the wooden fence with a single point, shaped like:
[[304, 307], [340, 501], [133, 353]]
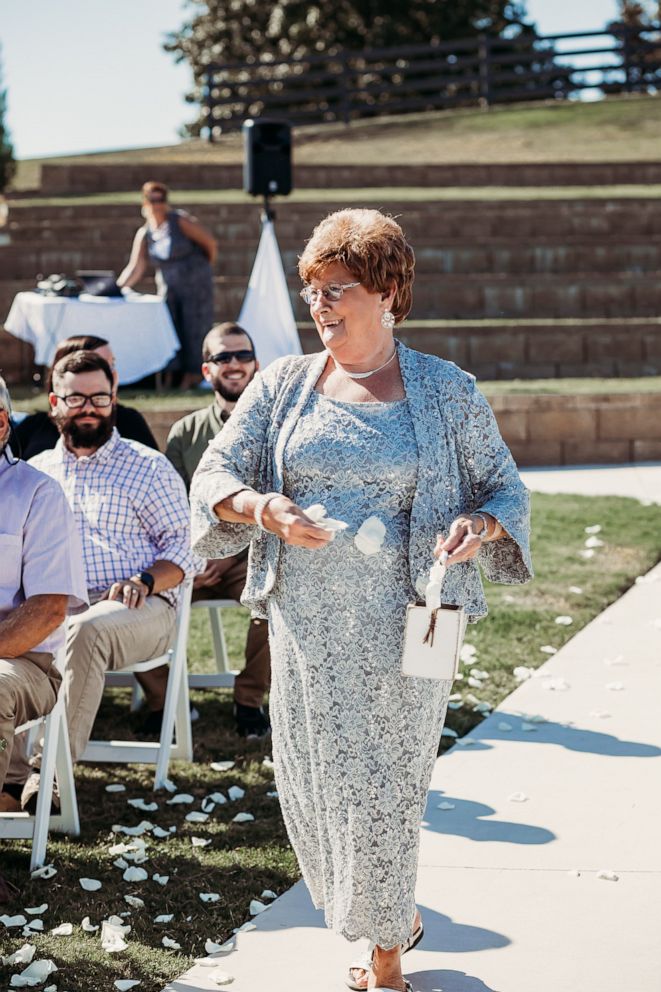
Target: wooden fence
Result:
[[483, 70]]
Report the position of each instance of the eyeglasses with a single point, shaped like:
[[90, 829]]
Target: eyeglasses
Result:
[[76, 401], [332, 291], [225, 357]]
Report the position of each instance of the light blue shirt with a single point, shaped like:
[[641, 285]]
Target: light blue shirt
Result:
[[40, 551]]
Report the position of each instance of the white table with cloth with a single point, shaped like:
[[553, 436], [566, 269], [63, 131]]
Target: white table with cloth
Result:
[[138, 327]]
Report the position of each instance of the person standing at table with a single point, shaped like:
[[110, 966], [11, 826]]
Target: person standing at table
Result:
[[38, 432], [183, 253], [228, 365]]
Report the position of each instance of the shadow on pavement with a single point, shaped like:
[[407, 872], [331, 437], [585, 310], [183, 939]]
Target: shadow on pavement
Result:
[[468, 819]]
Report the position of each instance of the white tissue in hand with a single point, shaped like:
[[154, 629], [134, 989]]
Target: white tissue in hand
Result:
[[317, 514], [370, 536]]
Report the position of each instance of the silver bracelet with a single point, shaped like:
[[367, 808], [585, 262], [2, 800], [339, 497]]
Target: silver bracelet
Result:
[[260, 506], [485, 529]]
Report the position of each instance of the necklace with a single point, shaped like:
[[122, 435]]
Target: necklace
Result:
[[365, 375]]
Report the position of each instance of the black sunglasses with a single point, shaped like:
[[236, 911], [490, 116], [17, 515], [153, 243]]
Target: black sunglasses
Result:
[[224, 357]]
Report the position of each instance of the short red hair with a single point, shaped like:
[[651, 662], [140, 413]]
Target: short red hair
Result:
[[371, 246]]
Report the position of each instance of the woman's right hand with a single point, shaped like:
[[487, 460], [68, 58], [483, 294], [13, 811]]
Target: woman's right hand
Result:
[[285, 519]]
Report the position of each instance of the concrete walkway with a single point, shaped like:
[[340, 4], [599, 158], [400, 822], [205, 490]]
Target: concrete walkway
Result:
[[509, 884], [640, 481]]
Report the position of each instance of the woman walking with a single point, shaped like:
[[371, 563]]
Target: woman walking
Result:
[[368, 428]]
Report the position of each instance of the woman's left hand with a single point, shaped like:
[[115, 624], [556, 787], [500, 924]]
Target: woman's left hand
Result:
[[462, 542]]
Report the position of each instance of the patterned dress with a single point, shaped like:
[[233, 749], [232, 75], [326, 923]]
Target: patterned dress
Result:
[[354, 741]]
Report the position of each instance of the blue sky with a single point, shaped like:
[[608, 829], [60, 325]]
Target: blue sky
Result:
[[87, 75]]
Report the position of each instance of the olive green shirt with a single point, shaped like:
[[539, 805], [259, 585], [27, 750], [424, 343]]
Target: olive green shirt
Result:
[[189, 437]]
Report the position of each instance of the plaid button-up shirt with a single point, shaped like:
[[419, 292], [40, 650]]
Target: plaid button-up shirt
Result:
[[130, 507]]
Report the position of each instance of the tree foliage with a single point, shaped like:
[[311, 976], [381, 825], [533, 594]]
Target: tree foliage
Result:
[[641, 46], [7, 163], [251, 32]]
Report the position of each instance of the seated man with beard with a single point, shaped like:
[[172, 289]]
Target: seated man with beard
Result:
[[133, 518]]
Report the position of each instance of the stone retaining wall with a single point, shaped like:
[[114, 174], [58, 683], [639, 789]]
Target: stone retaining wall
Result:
[[106, 177], [554, 430]]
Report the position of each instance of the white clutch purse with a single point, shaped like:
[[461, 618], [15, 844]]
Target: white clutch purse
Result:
[[434, 633]]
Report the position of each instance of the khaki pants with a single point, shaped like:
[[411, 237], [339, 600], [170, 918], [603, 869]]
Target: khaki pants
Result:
[[251, 685], [28, 689], [108, 637]]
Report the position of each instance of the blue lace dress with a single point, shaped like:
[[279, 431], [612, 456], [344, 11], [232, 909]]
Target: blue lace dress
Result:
[[354, 741]]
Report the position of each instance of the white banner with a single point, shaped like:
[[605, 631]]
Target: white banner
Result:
[[266, 312]]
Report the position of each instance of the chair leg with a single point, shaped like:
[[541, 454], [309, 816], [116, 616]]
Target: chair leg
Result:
[[137, 696], [176, 714], [69, 822], [218, 636], [44, 797]]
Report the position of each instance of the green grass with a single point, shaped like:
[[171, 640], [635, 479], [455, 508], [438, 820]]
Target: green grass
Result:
[[243, 859], [617, 129], [377, 195]]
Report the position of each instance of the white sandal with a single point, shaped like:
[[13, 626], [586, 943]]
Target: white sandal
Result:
[[366, 963]]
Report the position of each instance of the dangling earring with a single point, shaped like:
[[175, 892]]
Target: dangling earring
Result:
[[387, 320]]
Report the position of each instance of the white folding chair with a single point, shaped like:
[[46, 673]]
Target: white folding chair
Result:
[[176, 712], [223, 677], [56, 764]]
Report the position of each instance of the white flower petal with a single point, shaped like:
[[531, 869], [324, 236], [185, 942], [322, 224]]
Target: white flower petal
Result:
[[142, 805], [211, 947], [112, 936], [587, 553], [576, 590], [209, 896], [115, 787], [124, 984], [164, 918], [134, 874], [217, 798], [564, 621], [64, 930], [267, 762], [200, 841], [555, 685], [120, 863], [13, 921], [245, 928], [476, 673], [525, 726], [370, 536], [196, 817], [32, 925], [181, 797], [134, 901], [47, 871], [466, 741], [22, 956], [142, 828], [518, 797], [161, 833], [243, 818], [608, 876], [548, 649], [522, 672], [35, 974], [222, 766], [594, 542], [88, 926], [449, 732], [172, 944], [36, 910], [593, 529], [474, 683], [236, 792], [272, 795], [268, 894], [445, 805], [483, 708], [161, 879], [455, 706], [505, 727], [221, 978]]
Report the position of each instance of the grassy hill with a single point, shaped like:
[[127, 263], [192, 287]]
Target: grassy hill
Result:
[[617, 129]]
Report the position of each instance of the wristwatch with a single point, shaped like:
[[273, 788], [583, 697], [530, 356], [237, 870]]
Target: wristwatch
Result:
[[147, 579]]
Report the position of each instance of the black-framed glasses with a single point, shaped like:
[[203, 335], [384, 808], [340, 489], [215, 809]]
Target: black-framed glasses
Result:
[[225, 357], [76, 401], [332, 291]]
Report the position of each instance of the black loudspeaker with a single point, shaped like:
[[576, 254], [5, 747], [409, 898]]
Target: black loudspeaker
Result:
[[266, 157]]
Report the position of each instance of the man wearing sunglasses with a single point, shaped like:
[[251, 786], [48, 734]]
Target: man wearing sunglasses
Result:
[[133, 519], [228, 365]]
